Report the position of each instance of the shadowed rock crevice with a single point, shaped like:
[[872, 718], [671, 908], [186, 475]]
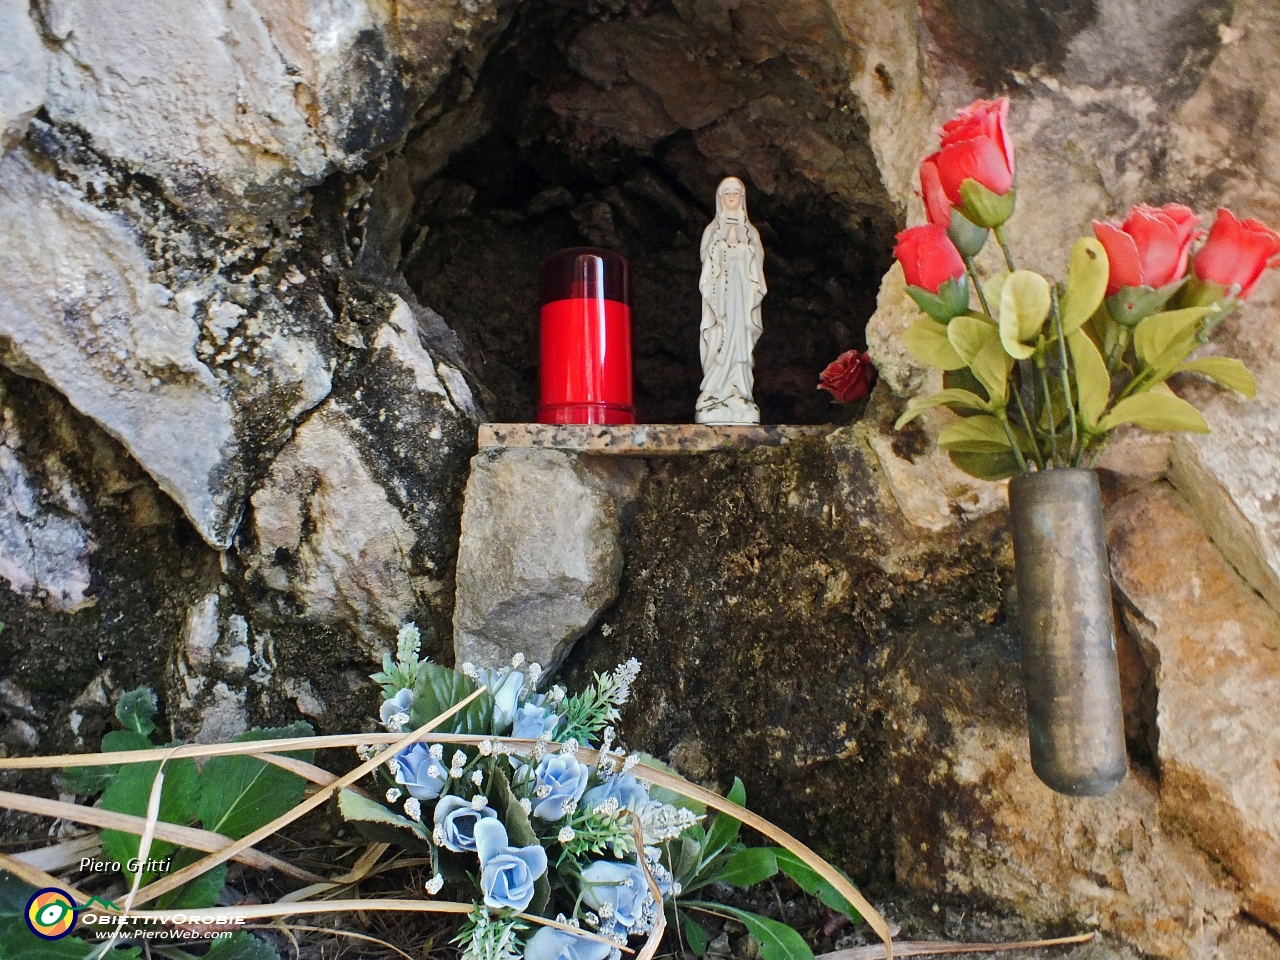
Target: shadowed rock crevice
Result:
[[612, 128]]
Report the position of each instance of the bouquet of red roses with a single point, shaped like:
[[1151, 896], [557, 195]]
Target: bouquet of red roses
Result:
[[1041, 373]]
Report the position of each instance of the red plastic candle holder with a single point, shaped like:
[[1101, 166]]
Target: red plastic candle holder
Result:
[[586, 338]]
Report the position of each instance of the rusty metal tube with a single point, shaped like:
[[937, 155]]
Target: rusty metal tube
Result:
[[1072, 681]]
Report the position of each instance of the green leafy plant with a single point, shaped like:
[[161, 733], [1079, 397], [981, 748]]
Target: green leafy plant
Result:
[[699, 859]]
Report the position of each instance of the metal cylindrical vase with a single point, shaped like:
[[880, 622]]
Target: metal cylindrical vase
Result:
[[1074, 714]]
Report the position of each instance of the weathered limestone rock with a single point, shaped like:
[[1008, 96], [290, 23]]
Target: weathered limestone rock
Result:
[[1214, 647], [24, 71], [80, 311], [540, 556]]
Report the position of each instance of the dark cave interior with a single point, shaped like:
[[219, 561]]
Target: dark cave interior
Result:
[[611, 127]]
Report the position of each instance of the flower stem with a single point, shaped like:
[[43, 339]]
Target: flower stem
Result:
[[1053, 420], [1004, 247], [977, 286], [1117, 352], [1066, 380], [1022, 410], [1013, 441]]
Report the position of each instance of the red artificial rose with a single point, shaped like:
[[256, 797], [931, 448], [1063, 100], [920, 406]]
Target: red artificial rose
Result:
[[928, 257], [848, 377], [1150, 248], [1237, 251], [975, 145]]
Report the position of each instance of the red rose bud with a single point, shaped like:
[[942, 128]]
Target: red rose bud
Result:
[[848, 377], [969, 238], [1235, 254], [1148, 258], [935, 273], [976, 147]]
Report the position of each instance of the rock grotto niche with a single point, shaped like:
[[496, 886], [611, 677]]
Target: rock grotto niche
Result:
[[610, 124]]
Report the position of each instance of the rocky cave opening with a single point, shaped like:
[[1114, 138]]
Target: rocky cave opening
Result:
[[610, 124]]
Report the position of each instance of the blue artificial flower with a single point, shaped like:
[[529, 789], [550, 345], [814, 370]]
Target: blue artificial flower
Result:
[[457, 821], [419, 773], [622, 886], [400, 703], [505, 689], [630, 793], [532, 720], [560, 780], [552, 944], [507, 874]]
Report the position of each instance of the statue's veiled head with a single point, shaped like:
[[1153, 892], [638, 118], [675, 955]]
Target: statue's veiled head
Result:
[[731, 198]]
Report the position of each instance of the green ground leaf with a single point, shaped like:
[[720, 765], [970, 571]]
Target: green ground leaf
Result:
[[982, 434], [724, 828], [135, 710], [777, 940], [1024, 306], [195, 894], [694, 935], [1086, 283], [130, 792], [240, 794], [241, 945], [1093, 383], [1157, 410], [813, 883], [748, 867], [439, 688], [928, 343], [1225, 371], [951, 398]]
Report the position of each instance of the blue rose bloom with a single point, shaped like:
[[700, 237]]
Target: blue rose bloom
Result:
[[621, 885], [400, 703], [505, 689], [630, 793], [565, 778], [507, 874], [532, 720], [552, 944], [419, 774], [456, 818]]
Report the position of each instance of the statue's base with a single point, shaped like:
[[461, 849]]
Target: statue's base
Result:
[[641, 439]]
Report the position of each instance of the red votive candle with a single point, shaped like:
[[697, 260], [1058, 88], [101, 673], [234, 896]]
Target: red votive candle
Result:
[[586, 338]]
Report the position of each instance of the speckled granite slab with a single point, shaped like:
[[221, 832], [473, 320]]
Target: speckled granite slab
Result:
[[641, 439]]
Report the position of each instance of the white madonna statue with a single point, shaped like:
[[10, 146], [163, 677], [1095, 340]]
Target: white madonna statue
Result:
[[732, 286]]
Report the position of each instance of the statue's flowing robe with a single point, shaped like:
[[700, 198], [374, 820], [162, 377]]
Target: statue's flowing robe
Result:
[[733, 286]]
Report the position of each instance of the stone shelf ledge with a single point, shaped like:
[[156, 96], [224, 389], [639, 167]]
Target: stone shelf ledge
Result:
[[640, 439]]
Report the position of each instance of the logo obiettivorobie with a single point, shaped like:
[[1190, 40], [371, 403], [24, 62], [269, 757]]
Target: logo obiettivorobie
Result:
[[51, 914]]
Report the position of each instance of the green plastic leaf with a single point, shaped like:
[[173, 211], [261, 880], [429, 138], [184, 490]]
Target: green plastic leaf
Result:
[[987, 466], [241, 794], [1227, 371], [993, 289], [694, 935], [813, 883], [1093, 383], [969, 334], [439, 688], [1155, 409], [135, 710], [1163, 333], [1086, 283], [984, 207], [724, 828], [683, 857], [361, 810], [1024, 305], [952, 398], [130, 792], [927, 341], [241, 945], [748, 867], [982, 434], [662, 794], [777, 940], [951, 299], [992, 366]]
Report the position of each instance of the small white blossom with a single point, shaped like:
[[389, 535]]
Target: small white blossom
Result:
[[366, 752], [606, 910], [591, 919], [436, 751], [477, 777], [569, 746], [676, 888], [566, 835], [517, 661], [469, 670], [459, 759], [479, 801], [526, 805], [630, 763], [556, 694], [394, 794], [486, 748], [435, 885], [413, 808], [394, 766], [608, 808], [437, 836], [434, 771], [542, 791], [395, 723], [535, 671], [567, 806]]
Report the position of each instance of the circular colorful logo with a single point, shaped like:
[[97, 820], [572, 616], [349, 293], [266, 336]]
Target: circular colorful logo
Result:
[[51, 914]]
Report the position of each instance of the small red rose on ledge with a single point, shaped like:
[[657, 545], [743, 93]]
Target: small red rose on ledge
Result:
[[1236, 252], [848, 377]]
